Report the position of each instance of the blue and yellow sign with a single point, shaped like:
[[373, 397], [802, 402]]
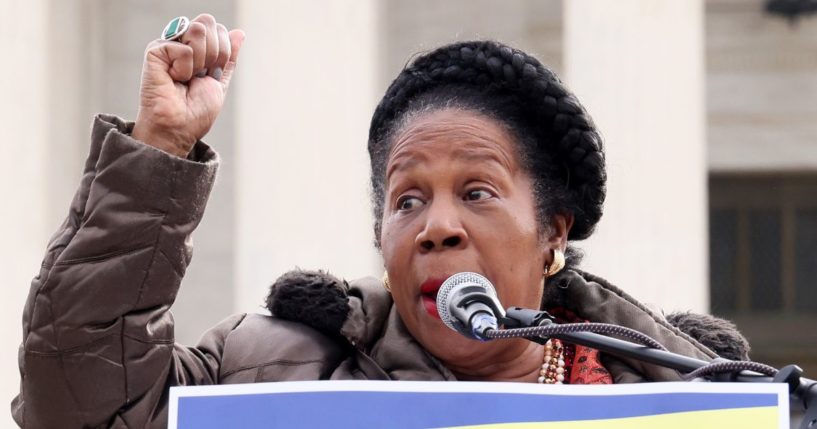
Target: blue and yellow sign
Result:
[[378, 404]]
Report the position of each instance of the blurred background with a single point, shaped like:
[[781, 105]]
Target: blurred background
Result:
[[708, 110]]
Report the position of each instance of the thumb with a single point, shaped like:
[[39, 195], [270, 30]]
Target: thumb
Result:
[[236, 41]]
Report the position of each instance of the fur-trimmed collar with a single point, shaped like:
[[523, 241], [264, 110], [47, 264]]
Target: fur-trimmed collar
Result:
[[321, 300]]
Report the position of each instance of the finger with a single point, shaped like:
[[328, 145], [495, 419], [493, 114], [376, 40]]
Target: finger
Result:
[[224, 51], [195, 37], [175, 59], [211, 38], [236, 41]]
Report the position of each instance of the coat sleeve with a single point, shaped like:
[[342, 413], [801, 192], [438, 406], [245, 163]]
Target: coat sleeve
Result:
[[98, 345]]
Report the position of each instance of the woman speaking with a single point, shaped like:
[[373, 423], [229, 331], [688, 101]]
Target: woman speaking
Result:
[[481, 161]]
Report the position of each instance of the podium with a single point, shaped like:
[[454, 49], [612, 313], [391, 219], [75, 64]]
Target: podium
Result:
[[410, 404]]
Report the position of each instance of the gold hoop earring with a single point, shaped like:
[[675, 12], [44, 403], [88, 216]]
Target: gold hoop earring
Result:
[[557, 264], [386, 284]]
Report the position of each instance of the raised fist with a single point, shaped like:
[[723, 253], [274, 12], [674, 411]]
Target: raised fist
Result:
[[184, 85]]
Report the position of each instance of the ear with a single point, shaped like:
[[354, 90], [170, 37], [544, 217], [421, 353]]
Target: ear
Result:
[[559, 229]]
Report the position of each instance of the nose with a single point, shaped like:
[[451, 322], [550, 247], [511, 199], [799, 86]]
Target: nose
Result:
[[443, 228]]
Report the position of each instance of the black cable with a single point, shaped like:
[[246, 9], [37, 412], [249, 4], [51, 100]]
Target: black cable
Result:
[[731, 366], [551, 330], [568, 328]]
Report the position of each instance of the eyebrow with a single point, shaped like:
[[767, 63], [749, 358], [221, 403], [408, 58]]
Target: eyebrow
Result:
[[406, 162]]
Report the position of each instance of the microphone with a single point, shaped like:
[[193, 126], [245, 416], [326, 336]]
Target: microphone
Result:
[[468, 304]]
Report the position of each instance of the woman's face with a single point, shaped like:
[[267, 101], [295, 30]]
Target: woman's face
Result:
[[458, 199]]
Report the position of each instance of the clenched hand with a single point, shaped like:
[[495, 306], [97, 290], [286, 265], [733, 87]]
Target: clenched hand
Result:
[[184, 85]]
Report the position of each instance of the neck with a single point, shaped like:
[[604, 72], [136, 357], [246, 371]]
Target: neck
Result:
[[520, 363]]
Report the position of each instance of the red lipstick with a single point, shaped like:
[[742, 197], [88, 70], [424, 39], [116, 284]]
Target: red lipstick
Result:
[[429, 290]]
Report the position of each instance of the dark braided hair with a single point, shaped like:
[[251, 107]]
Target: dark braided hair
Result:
[[558, 143]]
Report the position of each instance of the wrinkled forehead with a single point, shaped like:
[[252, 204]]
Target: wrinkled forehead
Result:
[[454, 134]]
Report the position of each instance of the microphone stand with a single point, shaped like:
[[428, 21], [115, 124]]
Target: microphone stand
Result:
[[802, 391]]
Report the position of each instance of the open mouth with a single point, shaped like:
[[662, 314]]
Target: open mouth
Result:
[[432, 295], [428, 293]]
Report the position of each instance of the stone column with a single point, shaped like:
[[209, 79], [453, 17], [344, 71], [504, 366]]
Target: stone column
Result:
[[637, 65], [23, 181], [305, 92]]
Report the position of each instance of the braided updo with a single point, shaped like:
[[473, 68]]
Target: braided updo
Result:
[[558, 143]]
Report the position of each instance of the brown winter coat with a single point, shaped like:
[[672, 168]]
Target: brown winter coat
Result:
[[98, 347]]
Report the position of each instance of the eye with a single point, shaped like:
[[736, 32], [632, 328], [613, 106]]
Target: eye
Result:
[[477, 195], [409, 203]]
